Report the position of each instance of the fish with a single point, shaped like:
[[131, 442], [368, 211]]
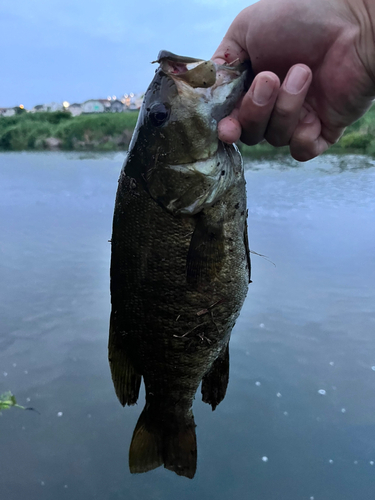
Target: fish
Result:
[[180, 258]]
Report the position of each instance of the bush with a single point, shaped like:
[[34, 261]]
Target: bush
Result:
[[356, 140], [93, 128]]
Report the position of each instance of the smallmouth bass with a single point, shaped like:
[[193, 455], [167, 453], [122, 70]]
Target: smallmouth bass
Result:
[[180, 263]]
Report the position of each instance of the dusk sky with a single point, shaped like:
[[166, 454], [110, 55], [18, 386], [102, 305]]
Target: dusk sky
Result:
[[57, 50]]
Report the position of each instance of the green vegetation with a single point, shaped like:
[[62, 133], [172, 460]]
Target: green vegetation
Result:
[[7, 400], [113, 131], [59, 130]]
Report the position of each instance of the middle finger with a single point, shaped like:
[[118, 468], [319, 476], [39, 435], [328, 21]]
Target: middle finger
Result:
[[286, 112]]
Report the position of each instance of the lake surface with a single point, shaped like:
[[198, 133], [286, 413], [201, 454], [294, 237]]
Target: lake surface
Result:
[[298, 420]]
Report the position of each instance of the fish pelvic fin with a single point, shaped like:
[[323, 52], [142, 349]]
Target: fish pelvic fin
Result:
[[215, 382], [171, 442], [125, 379]]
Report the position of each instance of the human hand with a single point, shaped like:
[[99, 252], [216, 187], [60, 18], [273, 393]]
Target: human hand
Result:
[[315, 75]]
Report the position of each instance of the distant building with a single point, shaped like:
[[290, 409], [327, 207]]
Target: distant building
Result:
[[7, 111], [39, 108], [51, 107], [136, 101], [116, 106], [95, 106], [106, 103], [75, 109]]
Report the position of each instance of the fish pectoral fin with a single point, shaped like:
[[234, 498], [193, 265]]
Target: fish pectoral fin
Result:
[[206, 252], [125, 379], [215, 382]]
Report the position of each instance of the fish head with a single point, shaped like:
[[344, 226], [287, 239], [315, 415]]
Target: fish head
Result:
[[177, 124]]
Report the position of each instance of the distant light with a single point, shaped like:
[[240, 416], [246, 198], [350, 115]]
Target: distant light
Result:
[[66, 104], [22, 106], [114, 97], [131, 94], [109, 98]]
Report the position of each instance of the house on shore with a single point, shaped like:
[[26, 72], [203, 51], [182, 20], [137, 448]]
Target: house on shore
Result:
[[96, 106], [116, 106], [50, 108], [7, 111], [75, 109], [38, 108]]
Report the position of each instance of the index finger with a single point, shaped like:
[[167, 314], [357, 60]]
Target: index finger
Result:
[[233, 45], [228, 51]]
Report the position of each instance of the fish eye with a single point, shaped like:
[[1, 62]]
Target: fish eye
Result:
[[159, 114]]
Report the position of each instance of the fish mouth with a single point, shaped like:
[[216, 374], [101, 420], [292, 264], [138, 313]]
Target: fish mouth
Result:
[[198, 73]]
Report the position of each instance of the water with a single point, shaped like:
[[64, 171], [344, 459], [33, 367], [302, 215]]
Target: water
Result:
[[298, 421]]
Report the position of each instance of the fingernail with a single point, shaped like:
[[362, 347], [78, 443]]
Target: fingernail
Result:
[[263, 91], [296, 79]]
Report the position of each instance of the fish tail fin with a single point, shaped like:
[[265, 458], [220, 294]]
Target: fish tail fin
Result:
[[180, 448], [125, 379], [215, 382], [146, 451], [171, 442]]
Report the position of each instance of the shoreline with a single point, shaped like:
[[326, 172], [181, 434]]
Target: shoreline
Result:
[[59, 131]]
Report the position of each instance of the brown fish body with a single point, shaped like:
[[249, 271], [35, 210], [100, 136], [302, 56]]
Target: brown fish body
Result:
[[179, 276]]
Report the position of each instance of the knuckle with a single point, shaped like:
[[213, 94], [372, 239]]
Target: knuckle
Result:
[[283, 113]]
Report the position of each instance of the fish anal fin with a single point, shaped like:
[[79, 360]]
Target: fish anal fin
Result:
[[206, 252], [125, 379], [215, 382]]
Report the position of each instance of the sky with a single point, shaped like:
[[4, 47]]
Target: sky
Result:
[[74, 50]]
